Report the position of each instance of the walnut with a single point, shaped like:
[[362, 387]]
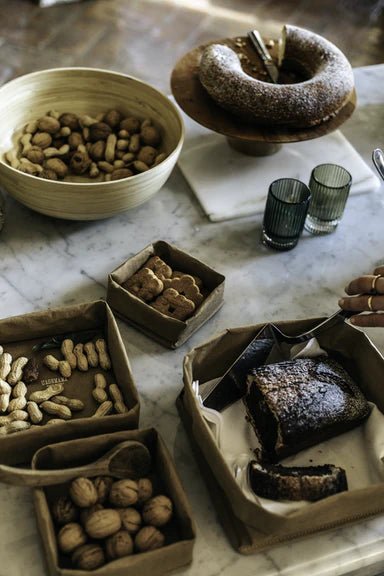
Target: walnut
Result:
[[103, 523], [64, 511], [48, 175], [148, 538], [83, 492], [31, 371], [70, 120], [86, 512], [150, 136], [103, 485], [119, 545], [145, 490], [157, 511], [48, 124], [80, 162], [88, 557], [112, 118], [71, 536], [35, 155], [131, 124], [42, 139], [99, 131], [147, 154], [57, 166], [130, 519], [75, 139], [97, 150], [124, 493]]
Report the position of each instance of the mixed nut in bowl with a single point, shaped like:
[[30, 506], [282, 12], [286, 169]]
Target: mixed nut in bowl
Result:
[[85, 144]]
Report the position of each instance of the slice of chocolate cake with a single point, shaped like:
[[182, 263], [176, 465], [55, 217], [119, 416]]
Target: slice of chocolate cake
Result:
[[296, 482], [298, 403]]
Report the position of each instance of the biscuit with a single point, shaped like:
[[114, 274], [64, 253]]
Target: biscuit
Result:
[[159, 267], [178, 274], [144, 284], [186, 286], [173, 304]]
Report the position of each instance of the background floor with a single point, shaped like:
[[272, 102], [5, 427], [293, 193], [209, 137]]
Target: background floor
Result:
[[145, 38]]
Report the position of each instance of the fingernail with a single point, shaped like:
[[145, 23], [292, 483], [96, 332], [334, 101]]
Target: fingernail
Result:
[[341, 302], [352, 320]]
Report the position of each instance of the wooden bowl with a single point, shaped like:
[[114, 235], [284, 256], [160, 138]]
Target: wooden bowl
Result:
[[85, 91]]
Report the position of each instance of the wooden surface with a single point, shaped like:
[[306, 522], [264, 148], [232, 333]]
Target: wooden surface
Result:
[[196, 102]]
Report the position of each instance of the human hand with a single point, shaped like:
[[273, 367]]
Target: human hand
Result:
[[367, 295]]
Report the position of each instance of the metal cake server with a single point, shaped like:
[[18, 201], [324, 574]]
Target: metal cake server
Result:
[[378, 160], [258, 43], [280, 336]]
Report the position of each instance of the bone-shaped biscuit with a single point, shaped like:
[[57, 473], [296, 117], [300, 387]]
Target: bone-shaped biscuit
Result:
[[144, 284], [173, 304], [186, 286]]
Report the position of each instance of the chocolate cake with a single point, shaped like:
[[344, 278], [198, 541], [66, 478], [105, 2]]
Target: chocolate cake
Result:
[[298, 403], [296, 482]]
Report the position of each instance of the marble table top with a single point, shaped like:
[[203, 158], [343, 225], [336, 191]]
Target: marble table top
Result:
[[48, 263]]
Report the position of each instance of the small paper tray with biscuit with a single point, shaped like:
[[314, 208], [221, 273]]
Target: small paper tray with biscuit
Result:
[[155, 323]]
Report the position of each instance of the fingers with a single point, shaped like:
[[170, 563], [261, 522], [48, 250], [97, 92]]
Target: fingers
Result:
[[368, 320], [379, 270], [363, 303], [369, 284]]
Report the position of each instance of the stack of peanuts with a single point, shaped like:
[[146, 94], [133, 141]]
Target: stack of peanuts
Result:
[[20, 409], [108, 147]]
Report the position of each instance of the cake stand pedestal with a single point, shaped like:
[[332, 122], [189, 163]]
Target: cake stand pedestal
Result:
[[247, 138]]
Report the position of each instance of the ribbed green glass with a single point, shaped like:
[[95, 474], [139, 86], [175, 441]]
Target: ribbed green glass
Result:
[[285, 212], [329, 185]]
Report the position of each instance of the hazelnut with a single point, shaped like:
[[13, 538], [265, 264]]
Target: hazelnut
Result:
[[83, 492], [57, 165], [112, 118], [150, 136], [88, 557], [147, 155], [48, 124], [42, 139], [99, 131], [103, 485], [103, 523], [70, 120], [157, 511], [131, 124], [130, 519], [124, 493], [145, 490], [148, 538], [64, 511], [71, 536], [80, 162], [119, 545]]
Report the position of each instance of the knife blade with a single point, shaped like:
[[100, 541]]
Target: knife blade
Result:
[[258, 43]]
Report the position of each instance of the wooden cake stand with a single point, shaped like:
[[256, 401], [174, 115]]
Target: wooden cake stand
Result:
[[251, 139]]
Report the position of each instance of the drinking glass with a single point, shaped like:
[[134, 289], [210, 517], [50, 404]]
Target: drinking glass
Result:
[[285, 212], [329, 185]]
